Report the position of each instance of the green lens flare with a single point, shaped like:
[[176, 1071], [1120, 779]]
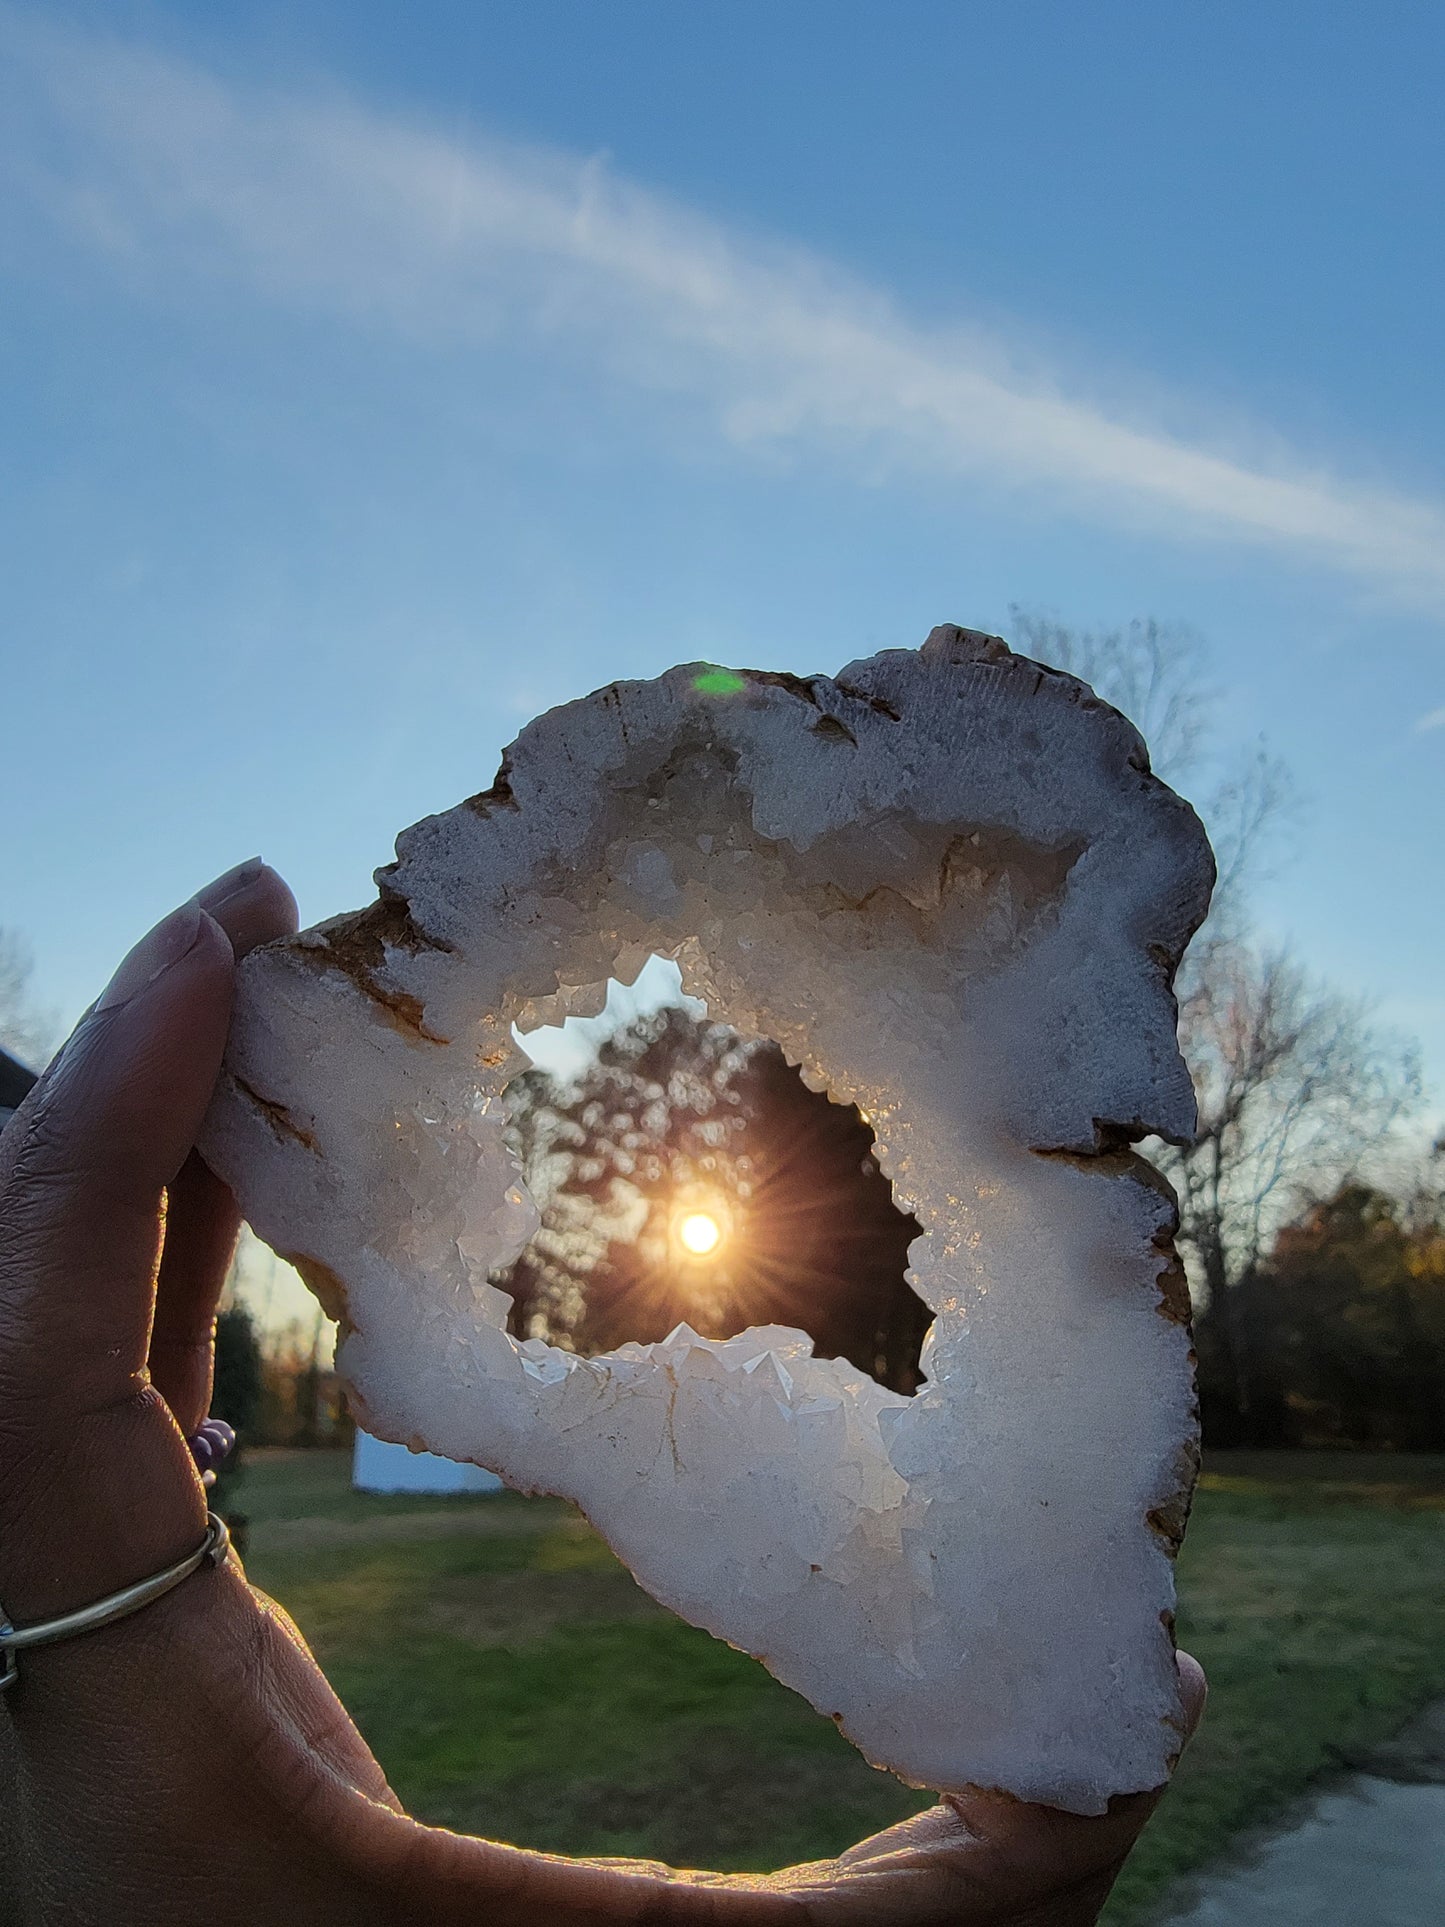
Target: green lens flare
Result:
[[719, 682]]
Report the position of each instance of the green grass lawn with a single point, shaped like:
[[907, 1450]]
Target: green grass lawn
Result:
[[1312, 1590], [514, 1681]]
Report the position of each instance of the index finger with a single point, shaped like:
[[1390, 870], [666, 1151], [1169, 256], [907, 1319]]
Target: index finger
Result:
[[86, 1449], [90, 1154], [106, 1130]]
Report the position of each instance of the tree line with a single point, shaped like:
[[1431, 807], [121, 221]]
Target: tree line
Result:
[[276, 1387], [1314, 1256], [1323, 1325], [1305, 1206], [680, 1117], [1314, 1239]]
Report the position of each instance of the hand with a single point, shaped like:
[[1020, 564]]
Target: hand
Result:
[[190, 1763]]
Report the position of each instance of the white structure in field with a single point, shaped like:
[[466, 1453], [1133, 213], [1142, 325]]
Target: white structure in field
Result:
[[379, 1466]]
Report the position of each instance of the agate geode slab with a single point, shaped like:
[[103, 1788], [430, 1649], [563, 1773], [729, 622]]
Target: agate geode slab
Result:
[[948, 885]]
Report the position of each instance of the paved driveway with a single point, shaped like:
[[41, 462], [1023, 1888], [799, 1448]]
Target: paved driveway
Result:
[[1369, 1851]]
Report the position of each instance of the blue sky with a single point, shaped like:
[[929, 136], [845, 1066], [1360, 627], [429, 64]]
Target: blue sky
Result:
[[377, 375]]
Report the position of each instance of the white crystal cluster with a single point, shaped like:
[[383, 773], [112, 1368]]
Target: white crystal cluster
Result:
[[947, 883]]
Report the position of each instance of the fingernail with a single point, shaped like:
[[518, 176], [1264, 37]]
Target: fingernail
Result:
[[171, 939], [229, 884]]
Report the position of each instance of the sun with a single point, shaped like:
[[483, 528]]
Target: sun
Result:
[[699, 1233]]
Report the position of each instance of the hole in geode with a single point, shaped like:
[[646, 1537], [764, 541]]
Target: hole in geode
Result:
[[687, 1175]]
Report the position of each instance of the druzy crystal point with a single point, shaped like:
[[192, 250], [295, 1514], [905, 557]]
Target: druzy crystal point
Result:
[[948, 885]]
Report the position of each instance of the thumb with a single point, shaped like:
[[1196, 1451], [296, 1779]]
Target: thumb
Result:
[[1039, 1851]]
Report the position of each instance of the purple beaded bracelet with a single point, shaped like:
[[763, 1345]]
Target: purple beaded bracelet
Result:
[[210, 1447]]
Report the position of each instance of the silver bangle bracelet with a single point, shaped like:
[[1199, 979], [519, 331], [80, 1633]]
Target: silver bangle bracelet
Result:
[[119, 1605]]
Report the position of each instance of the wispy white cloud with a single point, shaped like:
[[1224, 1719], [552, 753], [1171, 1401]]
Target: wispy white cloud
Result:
[[1432, 719], [360, 214]]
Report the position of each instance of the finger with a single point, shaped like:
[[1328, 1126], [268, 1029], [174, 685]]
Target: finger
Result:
[[1034, 1850], [1194, 1689], [253, 906], [108, 1127], [200, 1240], [96, 1486]]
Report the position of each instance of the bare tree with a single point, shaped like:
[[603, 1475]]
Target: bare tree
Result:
[[1421, 1191], [1297, 1090], [1297, 1093], [25, 1030], [1150, 670], [1155, 673]]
